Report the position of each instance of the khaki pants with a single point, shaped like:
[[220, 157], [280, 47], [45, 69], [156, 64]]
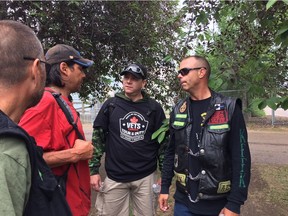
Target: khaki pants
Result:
[[115, 198]]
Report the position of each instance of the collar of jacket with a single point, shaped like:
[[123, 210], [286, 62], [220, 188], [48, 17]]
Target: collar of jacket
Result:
[[123, 96]]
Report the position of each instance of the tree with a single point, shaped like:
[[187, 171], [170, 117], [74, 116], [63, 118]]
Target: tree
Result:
[[244, 46], [113, 34]]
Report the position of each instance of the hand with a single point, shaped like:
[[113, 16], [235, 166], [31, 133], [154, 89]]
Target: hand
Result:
[[227, 212], [83, 149], [159, 181], [163, 202], [95, 181]]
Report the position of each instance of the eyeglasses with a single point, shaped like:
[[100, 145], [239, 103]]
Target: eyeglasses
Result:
[[33, 59], [135, 69], [47, 65], [185, 71]]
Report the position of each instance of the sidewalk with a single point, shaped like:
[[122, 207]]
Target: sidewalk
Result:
[[261, 136], [268, 137], [267, 146]]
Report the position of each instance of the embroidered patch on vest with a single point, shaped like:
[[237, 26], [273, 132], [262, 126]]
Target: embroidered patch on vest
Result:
[[224, 187], [220, 116], [183, 107], [178, 123], [218, 127], [181, 115], [181, 178]]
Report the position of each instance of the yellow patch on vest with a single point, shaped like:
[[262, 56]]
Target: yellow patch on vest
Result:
[[181, 178], [224, 187], [183, 107]]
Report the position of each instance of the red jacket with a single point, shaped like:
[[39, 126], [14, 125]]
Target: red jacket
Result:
[[47, 123]]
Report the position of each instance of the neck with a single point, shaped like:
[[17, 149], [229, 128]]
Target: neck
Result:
[[200, 94], [134, 97], [13, 103], [57, 89]]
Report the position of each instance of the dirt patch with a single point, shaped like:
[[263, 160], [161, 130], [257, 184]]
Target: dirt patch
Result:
[[261, 198]]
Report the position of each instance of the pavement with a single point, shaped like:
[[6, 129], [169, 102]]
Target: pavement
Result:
[[268, 147]]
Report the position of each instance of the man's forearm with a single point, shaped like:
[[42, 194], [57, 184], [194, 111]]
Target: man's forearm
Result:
[[59, 158]]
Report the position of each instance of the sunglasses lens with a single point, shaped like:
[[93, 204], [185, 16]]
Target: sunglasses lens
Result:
[[134, 69], [183, 71]]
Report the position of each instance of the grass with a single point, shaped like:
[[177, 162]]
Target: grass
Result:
[[276, 178]]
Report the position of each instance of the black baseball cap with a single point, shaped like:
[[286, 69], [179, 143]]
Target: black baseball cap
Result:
[[137, 70], [63, 53]]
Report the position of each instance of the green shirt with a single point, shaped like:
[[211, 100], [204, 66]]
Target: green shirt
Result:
[[15, 176]]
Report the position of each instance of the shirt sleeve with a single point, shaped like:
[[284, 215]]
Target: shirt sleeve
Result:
[[98, 140], [100, 130], [241, 162], [168, 163], [15, 176]]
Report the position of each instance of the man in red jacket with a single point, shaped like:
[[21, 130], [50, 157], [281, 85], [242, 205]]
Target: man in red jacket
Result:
[[47, 123]]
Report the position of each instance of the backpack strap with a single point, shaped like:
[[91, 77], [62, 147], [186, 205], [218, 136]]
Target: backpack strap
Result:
[[110, 107], [152, 106], [66, 110]]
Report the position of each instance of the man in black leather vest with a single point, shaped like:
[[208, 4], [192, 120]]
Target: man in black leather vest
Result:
[[208, 151]]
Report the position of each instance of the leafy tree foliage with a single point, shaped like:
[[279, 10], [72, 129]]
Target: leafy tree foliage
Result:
[[246, 44], [245, 41], [113, 34]]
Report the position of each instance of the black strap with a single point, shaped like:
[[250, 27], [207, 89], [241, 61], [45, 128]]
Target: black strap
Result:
[[65, 108]]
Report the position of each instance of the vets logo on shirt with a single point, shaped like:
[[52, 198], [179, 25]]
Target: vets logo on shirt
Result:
[[133, 127]]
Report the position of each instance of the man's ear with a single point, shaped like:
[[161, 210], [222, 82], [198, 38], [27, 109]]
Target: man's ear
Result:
[[202, 73], [64, 68], [35, 70], [144, 82]]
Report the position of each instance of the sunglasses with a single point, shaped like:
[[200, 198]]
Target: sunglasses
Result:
[[185, 71], [135, 69]]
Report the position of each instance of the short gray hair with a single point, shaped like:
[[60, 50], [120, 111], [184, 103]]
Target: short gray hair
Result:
[[16, 42]]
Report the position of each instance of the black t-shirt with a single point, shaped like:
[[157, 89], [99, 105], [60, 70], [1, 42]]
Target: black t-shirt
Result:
[[130, 152], [198, 112]]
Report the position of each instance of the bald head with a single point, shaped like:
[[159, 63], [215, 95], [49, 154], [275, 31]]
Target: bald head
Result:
[[16, 42]]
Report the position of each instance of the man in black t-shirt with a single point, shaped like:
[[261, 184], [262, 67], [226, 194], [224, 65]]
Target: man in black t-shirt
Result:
[[123, 130], [208, 151]]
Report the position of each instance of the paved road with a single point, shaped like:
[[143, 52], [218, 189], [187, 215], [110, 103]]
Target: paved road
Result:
[[268, 147]]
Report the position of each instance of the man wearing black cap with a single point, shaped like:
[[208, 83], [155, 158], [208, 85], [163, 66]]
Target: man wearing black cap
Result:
[[123, 129], [64, 152]]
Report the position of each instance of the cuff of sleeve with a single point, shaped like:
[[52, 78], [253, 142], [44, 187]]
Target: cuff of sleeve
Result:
[[164, 189], [234, 207]]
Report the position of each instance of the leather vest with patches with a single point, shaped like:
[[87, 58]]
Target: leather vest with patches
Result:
[[215, 173]]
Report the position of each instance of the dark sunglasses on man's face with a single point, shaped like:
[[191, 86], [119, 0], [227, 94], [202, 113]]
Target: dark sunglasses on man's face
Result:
[[135, 69], [185, 71]]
